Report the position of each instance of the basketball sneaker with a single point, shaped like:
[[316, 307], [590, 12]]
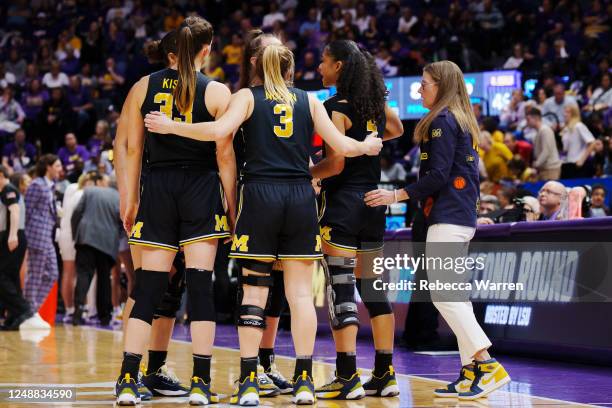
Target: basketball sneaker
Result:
[[303, 390], [164, 383], [461, 384], [384, 386], [246, 393], [489, 376], [277, 378], [342, 389], [126, 391], [200, 393], [266, 385]]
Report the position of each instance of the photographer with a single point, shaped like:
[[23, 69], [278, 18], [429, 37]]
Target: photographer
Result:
[[526, 208]]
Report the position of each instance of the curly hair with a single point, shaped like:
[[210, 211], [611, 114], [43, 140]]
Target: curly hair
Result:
[[360, 81]]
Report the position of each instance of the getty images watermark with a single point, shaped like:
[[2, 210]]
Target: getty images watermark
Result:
[[446, 265]]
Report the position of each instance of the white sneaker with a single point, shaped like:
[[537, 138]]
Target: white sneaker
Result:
[[34, 323]]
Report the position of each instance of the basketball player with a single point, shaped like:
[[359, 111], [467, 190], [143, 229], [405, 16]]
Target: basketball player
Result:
[[271, 381], [351, 232], [448, 188], [277, 123], [181, 204], [158, 380]]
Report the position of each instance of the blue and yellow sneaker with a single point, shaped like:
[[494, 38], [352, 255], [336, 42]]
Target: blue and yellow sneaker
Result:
[[165, 384], [342, 389], [126, 391], [303, 390], [246, 393], [267, 389], [279, 380], [200, 393], [489, 376], [461, 384], [384, 386]]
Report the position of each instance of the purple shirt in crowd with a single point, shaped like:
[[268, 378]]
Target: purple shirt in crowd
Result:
[[69, 158], [17, 161]]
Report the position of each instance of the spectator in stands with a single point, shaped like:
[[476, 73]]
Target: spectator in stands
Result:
[[173, 20], [389, 20], [80, 99], [311, 25], [100, 140], [12, 252], [213, 69], [578, 144], [555, 107], [96, 228], [491, 22], [18, 155], [30, 75], [518, 147], [55, 117], [385, 62], [517, 57], [6, 78], [55, 78], [598, 206], [390, 171], [495, 156], [513, 114], [407, 21], [553, 201], [488, 203], [273, 16], [16, 65], [546, 156], [308, 69], [33, 99], [70, 64], [233, 56], [110, 81], [506, 196], [41, 223], [362, 18], [72, 155], [11, 113], [601, 98]]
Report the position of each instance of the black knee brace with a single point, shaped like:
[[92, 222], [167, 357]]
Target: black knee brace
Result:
[[277, 300], [374, 300], [259, 321], [340, 289], [171, 301], [148, 291], [199, 288]]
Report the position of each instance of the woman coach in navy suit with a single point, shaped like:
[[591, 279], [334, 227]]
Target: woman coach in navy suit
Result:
[[448, 189]]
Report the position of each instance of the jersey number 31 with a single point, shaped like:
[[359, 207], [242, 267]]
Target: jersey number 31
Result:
[[286, 119]]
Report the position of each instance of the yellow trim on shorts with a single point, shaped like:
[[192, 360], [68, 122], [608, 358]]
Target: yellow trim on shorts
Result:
[[205, 238], [157, 246], [258, 258], [338, 246], [300, 257]]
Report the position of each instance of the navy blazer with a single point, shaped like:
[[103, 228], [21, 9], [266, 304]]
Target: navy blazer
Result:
[[448, 187], [41, 215]]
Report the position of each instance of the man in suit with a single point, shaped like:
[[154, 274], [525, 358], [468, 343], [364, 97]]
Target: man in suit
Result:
[[96, 228], [41, 223]]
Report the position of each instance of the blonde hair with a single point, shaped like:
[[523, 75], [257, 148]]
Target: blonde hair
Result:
[[452, 94], [275, 64], [574, 112]]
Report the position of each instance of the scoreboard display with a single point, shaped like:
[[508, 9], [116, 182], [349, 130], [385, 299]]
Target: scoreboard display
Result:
[[492, 89]]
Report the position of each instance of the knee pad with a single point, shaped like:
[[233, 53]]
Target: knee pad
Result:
[[255, 265], [199, 288], [137, 273], [374, 300], [277, 300], [340, 290], [171, 301], [259, 321], [147, 294]]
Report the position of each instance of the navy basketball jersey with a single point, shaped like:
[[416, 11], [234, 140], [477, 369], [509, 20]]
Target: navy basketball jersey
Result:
[[361, 170], [277, 137], [172, 150]]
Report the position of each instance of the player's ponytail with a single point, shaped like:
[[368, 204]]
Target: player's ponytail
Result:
[[275, 66], [194, 33]]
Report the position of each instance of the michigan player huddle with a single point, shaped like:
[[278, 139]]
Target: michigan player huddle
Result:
[[182, 192]]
